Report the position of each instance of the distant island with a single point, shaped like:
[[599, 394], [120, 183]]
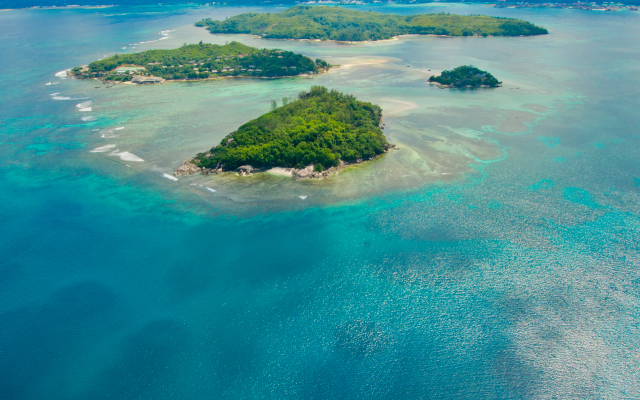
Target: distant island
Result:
[[200, 61], [466, 76], [312, 136], [587, 6], [341, 24]]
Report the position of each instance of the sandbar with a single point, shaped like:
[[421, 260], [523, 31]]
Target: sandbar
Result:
[[405, 106]]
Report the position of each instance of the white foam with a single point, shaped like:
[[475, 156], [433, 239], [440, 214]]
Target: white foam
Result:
[[303, 197], [95, 130], [53, 94], [148, 41], [126, 156], [56, 97], [103, 149], [211, 190], [84, 104], [88, 118], [109, 132], [63, 74], [173, 178], [193, 184], [87, 109], [51, 83], [165, 37]]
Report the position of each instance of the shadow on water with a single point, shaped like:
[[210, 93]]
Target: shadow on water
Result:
[[36, 341], [149, 364]]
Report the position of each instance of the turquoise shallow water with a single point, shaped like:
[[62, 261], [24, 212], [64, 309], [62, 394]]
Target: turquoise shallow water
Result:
[[495, 255]]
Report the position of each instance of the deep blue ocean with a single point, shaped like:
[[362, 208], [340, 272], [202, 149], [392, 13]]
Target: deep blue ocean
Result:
[[518, 278]]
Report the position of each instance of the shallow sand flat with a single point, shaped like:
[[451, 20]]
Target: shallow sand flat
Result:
[[126, 156], [280, 171], [403, 106], [103, 149], [357, 63]]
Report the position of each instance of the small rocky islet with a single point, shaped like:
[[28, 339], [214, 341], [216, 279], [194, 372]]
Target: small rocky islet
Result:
[[466, 76], [313, 136]]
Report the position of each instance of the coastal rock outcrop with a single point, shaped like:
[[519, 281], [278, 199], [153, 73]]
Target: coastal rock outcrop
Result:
[[187, 168], [304, 173]]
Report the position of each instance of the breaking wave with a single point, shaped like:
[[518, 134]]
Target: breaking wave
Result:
[[56, 97], [63, 74], [84, 104], [173, 178]]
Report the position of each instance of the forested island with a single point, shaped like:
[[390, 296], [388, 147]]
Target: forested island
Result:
[[466, 76], [315, 135], [200, 61], [337, 23]]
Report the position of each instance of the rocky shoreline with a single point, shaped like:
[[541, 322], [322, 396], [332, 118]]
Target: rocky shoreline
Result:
[[441, 86], [188, 167]]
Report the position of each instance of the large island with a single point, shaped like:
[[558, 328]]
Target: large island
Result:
[[313, 136], [200, 61], [466, 76], [336, 23]]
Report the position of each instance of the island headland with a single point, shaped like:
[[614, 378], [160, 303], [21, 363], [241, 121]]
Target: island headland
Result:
[[466, 76], [340, 24], [200, 61], [312, 136]]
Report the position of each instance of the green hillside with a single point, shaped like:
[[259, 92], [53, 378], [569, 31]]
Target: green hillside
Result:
[[337, 23]]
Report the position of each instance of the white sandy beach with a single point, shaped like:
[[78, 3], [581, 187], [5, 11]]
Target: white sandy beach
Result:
[[280, 171], [364, 62]]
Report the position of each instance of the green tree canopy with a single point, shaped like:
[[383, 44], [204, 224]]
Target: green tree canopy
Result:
[[321, 127]]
